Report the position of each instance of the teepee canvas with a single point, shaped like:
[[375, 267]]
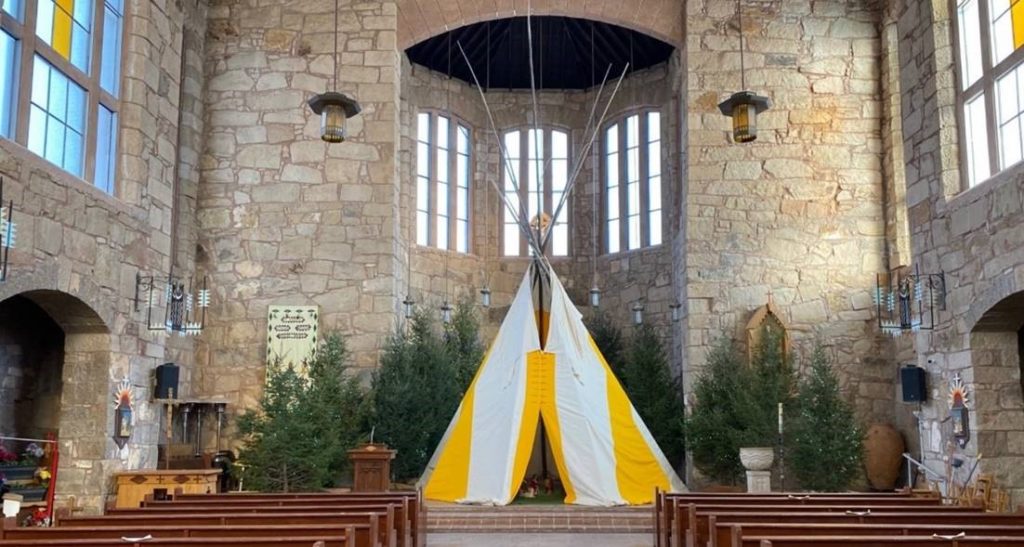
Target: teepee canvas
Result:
[[543, 365]]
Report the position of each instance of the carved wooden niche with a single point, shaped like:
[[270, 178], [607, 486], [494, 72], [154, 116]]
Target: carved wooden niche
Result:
[[765, 318]]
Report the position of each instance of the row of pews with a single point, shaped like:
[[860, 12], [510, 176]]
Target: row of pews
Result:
[[393, 519], [828, 520]]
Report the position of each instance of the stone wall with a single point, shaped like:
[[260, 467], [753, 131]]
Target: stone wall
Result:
[[421, 19], [624, 277], [976, 236], [798, 214], [285, 218], [79, 250]]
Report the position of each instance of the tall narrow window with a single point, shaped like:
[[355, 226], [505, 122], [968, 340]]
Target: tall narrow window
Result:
[[991, 79], [63, 75], [536, 177], [8, 81], [443, 170], [633, 182]]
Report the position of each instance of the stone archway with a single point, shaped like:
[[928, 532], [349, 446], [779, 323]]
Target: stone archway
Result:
[[79, 399], [422, 19], [997, 366]]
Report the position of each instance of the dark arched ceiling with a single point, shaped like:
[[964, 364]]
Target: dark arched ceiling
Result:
[[569, 53]]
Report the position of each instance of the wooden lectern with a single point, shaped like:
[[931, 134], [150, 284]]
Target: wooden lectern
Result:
[[372, 467]]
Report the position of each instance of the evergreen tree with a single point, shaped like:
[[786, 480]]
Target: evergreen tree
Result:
[[826, 441], [737, 405], [339, 404], [768, 381], [297, 439], [462, 342], [609, 340], [711, 427], [415, 394], [653, 391]]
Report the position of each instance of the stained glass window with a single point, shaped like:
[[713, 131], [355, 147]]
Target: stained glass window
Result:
[[71, 105], [992, 86], [57, 118], [66, 26]]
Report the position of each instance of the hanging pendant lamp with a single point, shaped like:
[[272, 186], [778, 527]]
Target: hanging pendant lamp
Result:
[[744, 106], [334, 107]]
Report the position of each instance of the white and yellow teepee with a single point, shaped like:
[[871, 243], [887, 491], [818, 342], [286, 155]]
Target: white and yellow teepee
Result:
[[543, 365]]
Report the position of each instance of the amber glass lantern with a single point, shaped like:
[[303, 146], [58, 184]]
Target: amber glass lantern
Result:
[[743, 107], [334, 109]]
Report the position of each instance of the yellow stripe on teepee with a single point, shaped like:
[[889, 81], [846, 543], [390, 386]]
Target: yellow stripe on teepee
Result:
[[62, 33], [1017, 14], [549, 413], [636, 468], [531, 415], [450, 479]]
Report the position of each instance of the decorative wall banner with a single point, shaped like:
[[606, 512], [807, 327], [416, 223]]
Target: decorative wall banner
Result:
[[292, 335]]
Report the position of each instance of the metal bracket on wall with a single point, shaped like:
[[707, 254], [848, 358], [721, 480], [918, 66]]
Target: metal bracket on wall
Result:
[[909, 302], [184, 303]]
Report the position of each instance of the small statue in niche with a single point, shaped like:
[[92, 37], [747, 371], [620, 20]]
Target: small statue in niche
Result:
[[176, 306]]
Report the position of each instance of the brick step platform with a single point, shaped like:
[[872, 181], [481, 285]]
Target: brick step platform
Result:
[[445, 518]]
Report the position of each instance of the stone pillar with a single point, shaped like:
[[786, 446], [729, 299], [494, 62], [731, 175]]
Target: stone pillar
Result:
[[759, 481]]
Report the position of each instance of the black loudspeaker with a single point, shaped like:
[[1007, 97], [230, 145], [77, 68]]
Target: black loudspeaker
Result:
[[914, 390], [166, 382]]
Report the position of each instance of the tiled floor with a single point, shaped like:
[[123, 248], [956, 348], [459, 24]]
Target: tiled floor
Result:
[[539, 540]]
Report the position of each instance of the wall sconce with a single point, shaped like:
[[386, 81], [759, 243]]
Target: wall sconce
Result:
[[485, 296], [908, 302], [677, 312], [8, 232], [446, 312], [334, 107], [409, 305], [638, 313], [958, 411], [123, 413], [744, 106], [595, 297], [179, 304]]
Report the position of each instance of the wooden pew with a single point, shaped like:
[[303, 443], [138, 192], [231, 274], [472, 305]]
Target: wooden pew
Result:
[[389, 533], [730, 535], [695, 518], [888, 541], [699, 535], [298, 541], [666, 505], [366, 532], [403, 521], [414, 499]]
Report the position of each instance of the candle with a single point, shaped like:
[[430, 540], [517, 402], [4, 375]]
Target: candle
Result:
[[780, 418]]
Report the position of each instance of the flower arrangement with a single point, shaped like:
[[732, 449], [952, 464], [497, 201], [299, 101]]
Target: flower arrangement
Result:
[[32, 453], [43, 476], [7, 457]]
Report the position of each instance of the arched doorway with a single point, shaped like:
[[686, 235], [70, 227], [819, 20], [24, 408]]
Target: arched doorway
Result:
[[997, 367], [55, 362], [31, 364]]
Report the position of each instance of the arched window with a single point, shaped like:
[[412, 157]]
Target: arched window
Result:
[[59, 82], [538, 162], [632, 175], [442, 182]]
